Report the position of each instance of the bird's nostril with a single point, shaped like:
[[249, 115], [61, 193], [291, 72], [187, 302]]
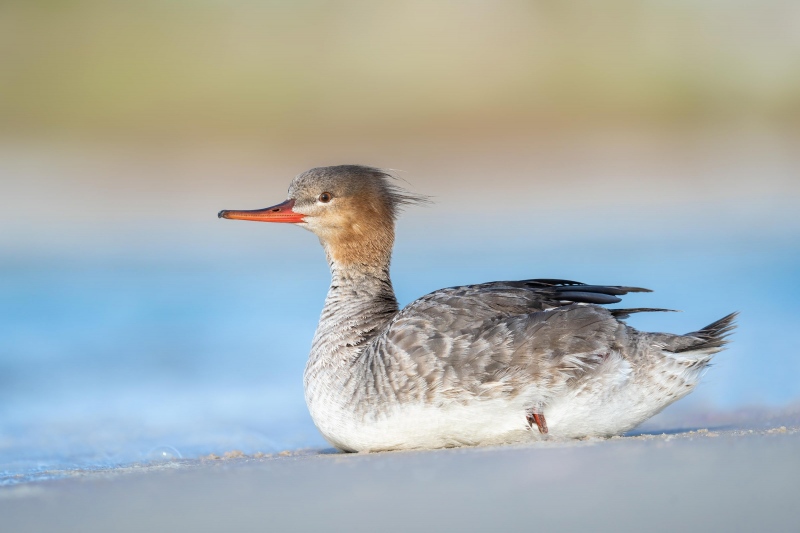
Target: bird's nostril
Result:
[[276, 209]]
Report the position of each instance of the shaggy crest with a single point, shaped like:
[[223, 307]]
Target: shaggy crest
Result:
[[356, 180]]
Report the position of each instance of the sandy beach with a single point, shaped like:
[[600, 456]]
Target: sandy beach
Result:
[[700, 480]]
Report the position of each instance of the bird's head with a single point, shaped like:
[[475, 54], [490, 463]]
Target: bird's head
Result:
[[351, 208]]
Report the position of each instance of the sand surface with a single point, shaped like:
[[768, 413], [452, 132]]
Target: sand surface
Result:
[[703, 480]]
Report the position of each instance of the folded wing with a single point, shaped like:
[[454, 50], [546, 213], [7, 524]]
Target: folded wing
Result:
[[502, 338]]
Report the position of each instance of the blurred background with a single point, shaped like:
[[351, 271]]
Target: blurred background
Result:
[[644, 143]]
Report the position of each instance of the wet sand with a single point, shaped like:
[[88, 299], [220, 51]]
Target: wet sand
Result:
[[709, 480]]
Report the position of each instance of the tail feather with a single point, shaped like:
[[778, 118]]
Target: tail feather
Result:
[[622, 314], [713, 337]]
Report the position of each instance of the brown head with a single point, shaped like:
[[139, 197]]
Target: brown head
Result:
[[351, 209]]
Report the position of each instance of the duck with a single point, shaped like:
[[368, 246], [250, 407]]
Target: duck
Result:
[[503, 362]]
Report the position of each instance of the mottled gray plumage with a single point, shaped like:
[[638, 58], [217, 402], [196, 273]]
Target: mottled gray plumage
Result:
[[472, 364]]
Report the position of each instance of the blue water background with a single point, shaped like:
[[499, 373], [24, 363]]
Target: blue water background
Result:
[[112, 356]]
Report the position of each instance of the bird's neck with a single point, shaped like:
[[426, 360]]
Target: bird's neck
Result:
[[360, 302], [359, 305]]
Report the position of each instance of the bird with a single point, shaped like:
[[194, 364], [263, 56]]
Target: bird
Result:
[[504, 362]]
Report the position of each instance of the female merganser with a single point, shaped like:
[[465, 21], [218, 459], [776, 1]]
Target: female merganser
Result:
[[479, 364]]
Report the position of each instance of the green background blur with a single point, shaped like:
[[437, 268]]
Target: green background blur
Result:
[[132, 121], [175, 69]]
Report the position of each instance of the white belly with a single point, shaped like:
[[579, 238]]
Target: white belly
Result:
[[611, 402], [419, 426]]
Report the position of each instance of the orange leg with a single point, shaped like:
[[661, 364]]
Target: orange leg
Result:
[[538, 419]]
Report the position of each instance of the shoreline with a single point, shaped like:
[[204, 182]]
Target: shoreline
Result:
[[736, 480], [674, 422]]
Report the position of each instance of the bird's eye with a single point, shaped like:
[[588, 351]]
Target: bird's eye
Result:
[[325, 197]]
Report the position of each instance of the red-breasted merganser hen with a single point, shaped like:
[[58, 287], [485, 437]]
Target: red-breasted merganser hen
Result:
[[495, 363]]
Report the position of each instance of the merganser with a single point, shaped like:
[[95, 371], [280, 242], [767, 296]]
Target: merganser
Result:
[[471, 365]]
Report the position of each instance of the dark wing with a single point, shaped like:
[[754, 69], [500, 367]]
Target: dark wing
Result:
[[457, 307], [501, 338]]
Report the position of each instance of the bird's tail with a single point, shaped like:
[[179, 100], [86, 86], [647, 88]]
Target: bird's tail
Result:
[[709, 340], [686, 357]]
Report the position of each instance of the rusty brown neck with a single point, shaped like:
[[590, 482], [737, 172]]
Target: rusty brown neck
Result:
[[368, 253]]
